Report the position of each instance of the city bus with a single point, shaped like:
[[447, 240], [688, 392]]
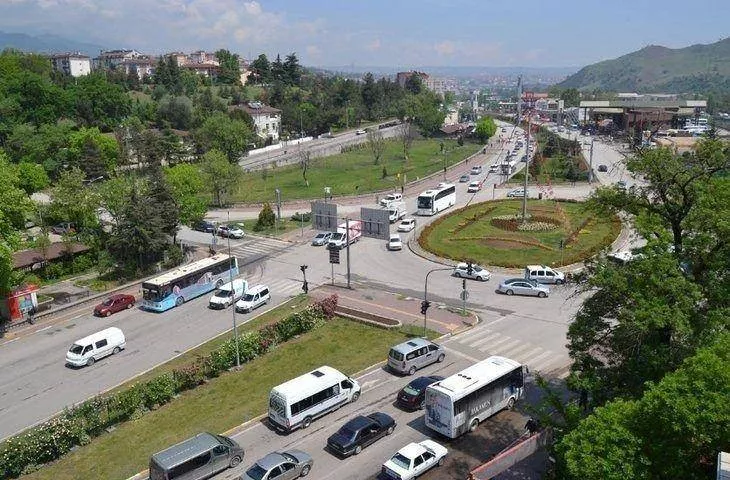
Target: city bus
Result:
[[433, 201], [184, 283], [458, 403]]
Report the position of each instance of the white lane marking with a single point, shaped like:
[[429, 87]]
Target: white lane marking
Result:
[[43, 329], [493, 345], [514, 353], [533, 363], [534, 351], [495, 321], [488, 338], [507, 348], [469, 333]]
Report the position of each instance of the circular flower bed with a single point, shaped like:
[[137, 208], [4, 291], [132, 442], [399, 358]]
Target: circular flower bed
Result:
[[536, 227], [535, 223]]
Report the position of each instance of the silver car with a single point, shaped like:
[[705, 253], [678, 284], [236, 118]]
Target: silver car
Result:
[[409, 356], [321, 239], [286, 465], [523, 286]]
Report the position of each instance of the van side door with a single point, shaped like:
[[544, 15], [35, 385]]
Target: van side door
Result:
[[101, 348], [220, 459]]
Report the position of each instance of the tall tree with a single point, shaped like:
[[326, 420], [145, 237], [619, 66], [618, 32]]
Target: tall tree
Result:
[[219, 174], [376, 144], [369, 94], [93, 152], [220, 132], [230, 71], [175, 111], [261, 69], [187, 185], [486, 128], [277, 69], [100, 103], [292, 70], [32, 177], [73, 201]]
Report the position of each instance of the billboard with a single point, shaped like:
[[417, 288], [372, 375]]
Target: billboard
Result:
[[324, 216], [375, 223]]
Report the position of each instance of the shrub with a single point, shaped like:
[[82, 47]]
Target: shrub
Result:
[[159, 390], [266, 218], [82, 263], [302, 217]]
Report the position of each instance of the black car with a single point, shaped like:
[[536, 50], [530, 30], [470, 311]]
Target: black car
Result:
[[360, 432], [204, 226], [602, 168], [413, 395]]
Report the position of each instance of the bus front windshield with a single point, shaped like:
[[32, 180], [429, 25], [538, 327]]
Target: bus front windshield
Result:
[[425, 202]]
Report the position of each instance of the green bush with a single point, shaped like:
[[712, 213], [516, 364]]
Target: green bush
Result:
[[266, 218], [159, 390], [302, 217]]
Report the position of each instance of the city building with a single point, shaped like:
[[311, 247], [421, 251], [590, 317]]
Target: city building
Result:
[[109, 59], [638, 113], [436, 85], [210, 70], [143, 66], [266, 119], [74, 64]]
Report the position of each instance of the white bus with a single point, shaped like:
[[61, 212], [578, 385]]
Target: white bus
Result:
[[433, 201], [458, 403], [296, 403]]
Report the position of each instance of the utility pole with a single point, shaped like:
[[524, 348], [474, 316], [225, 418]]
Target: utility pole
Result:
[[590, 166], [519, 100], [233, 310], [525, 172], [347, 239]]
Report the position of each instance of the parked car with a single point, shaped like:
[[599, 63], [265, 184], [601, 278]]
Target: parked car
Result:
[[321, 239], [286, 465], [464, 178], [476, 170], [231, 231], [477, 272], [409, 356], [114, 304], [65, 228], [518, 193], [395, 243], [412, 396], [474, 187], [360, 132], [523, 286], [204, 226], [407, 225], [360, 432], [414, 459], [602, 168]]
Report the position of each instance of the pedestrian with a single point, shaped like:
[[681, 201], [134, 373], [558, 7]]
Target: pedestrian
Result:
[[31, 315]]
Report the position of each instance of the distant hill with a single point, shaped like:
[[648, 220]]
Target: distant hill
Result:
[[454, 71], [697, 69], [46, 44]]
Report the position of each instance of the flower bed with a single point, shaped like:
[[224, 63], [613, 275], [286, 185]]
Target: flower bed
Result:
[[52, 439]]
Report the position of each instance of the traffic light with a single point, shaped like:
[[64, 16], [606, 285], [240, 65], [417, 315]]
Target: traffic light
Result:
[[424, 306]]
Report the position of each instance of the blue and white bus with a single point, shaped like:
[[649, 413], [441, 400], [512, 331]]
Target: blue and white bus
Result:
[[440, 198], [187, 282]]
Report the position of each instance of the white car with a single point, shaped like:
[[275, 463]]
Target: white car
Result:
[[414, 459], [391, 198], [518, 193], [477, 272], [407, 225], [395, 243], [474, 187], [360, 132]]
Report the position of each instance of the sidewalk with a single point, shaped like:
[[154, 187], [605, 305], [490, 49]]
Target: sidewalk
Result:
[[407, 310]]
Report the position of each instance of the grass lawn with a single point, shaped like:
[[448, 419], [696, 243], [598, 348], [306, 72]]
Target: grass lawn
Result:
[[224, 402], [352, 172], [469, 233], [552, 170], [286, 225]]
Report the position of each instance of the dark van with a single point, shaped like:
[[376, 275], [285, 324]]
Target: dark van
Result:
[[196, 458]]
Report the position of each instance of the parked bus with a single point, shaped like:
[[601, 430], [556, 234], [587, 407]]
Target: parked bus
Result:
[[458, 403], [298, 402], [433, 201], [187, 282]]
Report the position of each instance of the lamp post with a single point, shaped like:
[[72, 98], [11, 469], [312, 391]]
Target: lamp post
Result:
[[233, 310], [425, 303]]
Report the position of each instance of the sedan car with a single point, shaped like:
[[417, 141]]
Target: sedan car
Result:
[[204, 226], [114, 304], [477, 272], [474, 187], [412, 396], [230, 231], [395, 243], [523, 286], [321, 239], [360, 432], [602, 168], [360, 132], [407, 225], [518, 193], [414, 459], [476, 170], [286, 465], [464, 178]]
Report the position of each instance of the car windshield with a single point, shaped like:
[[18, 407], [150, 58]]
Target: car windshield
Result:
[[223, 293], [401, 461], [77, 349], [425, 202], [320, 235], [411, 390], [256, 472], [248, 297], [107, 302]]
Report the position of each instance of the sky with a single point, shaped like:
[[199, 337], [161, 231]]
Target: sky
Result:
[[530, 33]]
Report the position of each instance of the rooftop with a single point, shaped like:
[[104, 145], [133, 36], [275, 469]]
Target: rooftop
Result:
[[28, 258]]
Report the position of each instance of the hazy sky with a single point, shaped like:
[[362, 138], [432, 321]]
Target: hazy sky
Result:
[[535, 33]]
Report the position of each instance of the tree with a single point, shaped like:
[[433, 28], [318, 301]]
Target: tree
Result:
[[277, 70], [570, 97], [175, 111], [187, 185], [261, 69], [414, 84], [161, 194], [376, 144], [304, 157], [115, 194], [266, 219], [486, 128], [220, 132], [230, 71], [291, 69], [406, 136], [369, 94], [93, 152], [73, 201], [219, 174], [15, 206], [428, 114], [99, 103], [32, 177]]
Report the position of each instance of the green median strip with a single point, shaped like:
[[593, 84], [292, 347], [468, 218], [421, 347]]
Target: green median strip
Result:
[[226, 401]]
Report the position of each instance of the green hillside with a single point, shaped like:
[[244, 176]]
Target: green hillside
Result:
[[694, 69]]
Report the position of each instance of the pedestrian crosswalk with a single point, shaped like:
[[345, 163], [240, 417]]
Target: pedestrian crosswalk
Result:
[[284, 287], [251, 249], [481, 342]]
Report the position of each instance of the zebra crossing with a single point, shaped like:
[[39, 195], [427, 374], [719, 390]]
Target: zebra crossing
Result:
[[283, 287], [481, 342], [251, 249]]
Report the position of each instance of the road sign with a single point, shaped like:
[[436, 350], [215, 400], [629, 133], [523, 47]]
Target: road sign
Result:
[[324, 216], [375, 222], [464, 295], [335, 256]]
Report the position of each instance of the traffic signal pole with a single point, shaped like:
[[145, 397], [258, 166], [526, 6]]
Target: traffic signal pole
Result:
[[425, 303]]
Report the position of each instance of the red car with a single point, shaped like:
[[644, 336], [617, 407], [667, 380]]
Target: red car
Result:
[[114, 304]]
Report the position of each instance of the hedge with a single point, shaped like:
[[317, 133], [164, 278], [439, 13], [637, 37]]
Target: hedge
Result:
[[26, 452]]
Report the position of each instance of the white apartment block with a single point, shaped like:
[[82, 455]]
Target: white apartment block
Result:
[[74, 64]]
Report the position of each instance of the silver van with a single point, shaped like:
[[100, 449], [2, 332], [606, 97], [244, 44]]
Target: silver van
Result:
[[196, 458], [253, 298], [416, 353]]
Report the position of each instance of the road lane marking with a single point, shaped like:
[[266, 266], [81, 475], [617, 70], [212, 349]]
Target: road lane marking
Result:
[[484, 339]]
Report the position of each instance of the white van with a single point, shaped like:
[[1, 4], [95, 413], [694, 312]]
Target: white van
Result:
[[96, 346], [227, 295], [296, 403], [543, 274], [253, 298]]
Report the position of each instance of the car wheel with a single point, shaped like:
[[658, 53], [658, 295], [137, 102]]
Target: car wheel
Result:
[[179, 301], [130, 305], [511, 403], [355, 396], [412, 371], [116, 350], [389, 430], [542, 294], [442, 460], [234, 462], [441, 358], [457, 274], [559, 282], [306, 422], [509, 292], [473, 425], [357, 451], [90, 361], [107, 313], [305, 471]]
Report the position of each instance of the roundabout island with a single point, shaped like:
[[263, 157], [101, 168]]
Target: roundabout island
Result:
[[556, 233]]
